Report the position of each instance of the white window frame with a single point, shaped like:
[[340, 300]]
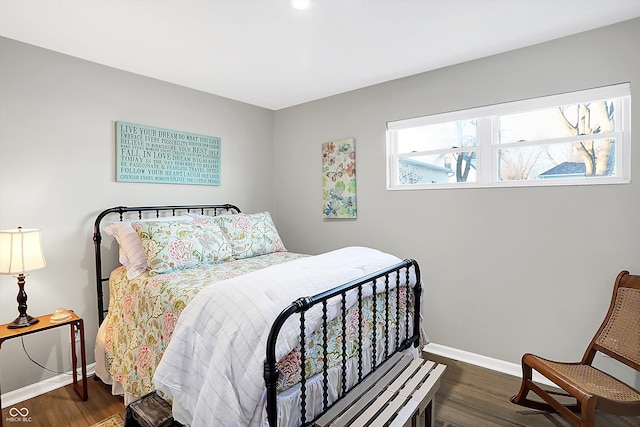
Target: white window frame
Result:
[[486, 150]]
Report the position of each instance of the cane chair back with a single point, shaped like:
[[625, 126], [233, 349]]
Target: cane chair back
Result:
[[619, 336]]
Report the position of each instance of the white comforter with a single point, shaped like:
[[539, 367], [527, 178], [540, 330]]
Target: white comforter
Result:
[[213, 366]]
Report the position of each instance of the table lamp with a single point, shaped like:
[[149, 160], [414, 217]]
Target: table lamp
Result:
[[21, 251]]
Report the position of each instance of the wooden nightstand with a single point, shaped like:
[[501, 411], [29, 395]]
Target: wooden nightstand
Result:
[[75, 324]]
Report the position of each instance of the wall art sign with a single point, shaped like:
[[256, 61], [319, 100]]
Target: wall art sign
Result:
[[157, 155], [339, 179]]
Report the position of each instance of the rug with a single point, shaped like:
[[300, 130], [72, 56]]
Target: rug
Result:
[[113, 421]]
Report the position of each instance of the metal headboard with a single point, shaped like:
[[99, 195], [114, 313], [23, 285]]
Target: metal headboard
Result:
[[122, 211]]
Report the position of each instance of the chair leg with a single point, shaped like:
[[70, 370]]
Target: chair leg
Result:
[[521, 397], [588, 413], [526, 386], [586, 408]]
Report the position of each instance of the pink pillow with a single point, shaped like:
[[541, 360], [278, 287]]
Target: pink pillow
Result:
[[131, 254]]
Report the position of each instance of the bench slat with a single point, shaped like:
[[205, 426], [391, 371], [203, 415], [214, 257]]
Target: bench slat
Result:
[[405, 415], [386, 400], [418, 378], [406, 374], [428, 389], [358, 406]]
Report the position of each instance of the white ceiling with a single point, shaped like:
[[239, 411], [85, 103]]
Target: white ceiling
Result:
[[265, 53]]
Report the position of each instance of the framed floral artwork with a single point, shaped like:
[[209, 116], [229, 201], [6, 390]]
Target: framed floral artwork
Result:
[[339, 179]]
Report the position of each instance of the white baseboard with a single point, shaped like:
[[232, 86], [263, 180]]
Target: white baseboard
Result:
[[483, 361], [33, 390], [27, 392]]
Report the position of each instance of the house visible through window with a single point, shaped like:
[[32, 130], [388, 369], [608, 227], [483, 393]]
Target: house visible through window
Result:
[[568, 139]]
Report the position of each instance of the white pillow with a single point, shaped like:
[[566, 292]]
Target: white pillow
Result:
[[131, 254]]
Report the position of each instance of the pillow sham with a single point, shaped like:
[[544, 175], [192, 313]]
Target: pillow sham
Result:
[[131, 253], [178, 245], [250, 234]]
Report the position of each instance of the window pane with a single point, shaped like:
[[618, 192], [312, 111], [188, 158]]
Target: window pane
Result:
[[557, 122], [456, 134], [437, 169], [557, 161]]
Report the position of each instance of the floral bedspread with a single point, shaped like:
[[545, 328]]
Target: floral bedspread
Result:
[[143, 313]]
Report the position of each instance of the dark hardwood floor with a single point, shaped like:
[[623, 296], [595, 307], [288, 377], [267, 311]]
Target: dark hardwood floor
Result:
[[469, 396], [473, 396], [63, 408]]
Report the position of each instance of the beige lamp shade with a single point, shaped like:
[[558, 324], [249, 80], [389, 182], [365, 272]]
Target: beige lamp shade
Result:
[[20, 251]]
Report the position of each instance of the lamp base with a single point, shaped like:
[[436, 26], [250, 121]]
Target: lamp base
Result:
[[22, 322]]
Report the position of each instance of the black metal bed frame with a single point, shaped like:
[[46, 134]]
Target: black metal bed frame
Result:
[[301, 306]]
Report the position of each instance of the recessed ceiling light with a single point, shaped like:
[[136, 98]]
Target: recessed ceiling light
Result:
[[300, 4]]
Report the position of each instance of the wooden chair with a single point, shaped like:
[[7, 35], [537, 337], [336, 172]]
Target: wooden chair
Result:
[[593, 389]]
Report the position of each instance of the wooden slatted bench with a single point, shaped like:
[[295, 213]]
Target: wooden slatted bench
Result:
[[397, 394]]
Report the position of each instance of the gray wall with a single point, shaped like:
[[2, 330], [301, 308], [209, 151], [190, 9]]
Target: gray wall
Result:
[[57, 172], [507, 270]]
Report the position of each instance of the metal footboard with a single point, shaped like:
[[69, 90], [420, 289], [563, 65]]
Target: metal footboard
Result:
[[383, 283]]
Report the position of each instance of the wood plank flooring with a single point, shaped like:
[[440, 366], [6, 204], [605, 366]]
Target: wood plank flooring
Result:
[[63, 408], [469, 396], [472, 396]]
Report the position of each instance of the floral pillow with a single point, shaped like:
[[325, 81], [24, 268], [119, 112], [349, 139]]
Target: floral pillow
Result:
[[250, 234], [178, 245]]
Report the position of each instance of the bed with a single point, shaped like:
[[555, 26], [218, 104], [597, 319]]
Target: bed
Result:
[[221, 319]]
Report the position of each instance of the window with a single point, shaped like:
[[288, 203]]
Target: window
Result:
[[569, 139]]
